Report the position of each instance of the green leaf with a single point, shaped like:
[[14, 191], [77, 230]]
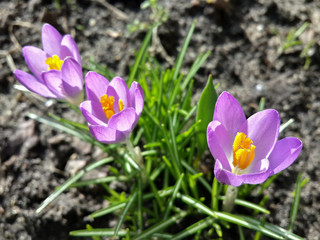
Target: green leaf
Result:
[[141, 55], [71, 181], [205, 112], [124, 213], [159, 226], [295, 204], [89, 227], [202, 224], [103, 232]]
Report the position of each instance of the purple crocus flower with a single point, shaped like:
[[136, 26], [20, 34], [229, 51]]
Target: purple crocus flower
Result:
[[247, 150], [57, 68], [112, 109]]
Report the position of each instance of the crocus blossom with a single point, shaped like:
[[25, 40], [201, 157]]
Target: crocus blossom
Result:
[[112, 109], [57, 68], [247, 150]]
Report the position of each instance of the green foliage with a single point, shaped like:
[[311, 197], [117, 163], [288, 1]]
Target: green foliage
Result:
[[158, 15], [205, 114], [292, 40]]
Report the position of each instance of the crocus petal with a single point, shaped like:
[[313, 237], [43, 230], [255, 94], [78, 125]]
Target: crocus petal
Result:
[[259, 176], [36, 60], [124, 121], [106, 134], [136, 97], [93, 113], [31, 83], [219, 143], [229, 178], [225, 176], [69, 44], [229, 112], [284, 153], [96, 86], [51, 40], [123, 92], [53, 81], [71, 77], [263, 130]]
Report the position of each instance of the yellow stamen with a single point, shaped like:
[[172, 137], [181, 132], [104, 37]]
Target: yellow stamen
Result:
[[107, 105], [243, 151], [121, 105], [54, 62]]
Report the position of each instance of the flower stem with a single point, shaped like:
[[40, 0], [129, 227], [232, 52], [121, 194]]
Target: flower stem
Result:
[[229, 199], [133, 152]]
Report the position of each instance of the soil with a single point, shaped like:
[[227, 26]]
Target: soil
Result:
[[244, 38]]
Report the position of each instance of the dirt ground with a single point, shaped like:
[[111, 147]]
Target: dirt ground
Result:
[[244, 37]]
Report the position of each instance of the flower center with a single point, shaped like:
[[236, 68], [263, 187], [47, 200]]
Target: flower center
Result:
[[243, 152], [107, 105], [54, 63]]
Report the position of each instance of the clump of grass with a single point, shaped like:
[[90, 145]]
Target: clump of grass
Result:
[[292, 39]]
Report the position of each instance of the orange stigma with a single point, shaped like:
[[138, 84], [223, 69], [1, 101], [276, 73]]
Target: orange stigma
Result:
[[107, 105], [54, 63], [243, 151]]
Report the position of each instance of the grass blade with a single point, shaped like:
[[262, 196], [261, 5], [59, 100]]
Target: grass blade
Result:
[[124, 213], [175, 191], [194, 69], [202, 224], [159, 227], [295, 204], [108, 210], [102, 232], [247, 204], [143, 51], [183, 51], [71, 181]]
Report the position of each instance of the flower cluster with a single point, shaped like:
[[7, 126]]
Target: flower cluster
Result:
[[112, 109], [245, 150]]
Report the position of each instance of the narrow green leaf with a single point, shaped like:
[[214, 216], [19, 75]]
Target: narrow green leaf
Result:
[[201, 179], [300, 30], [197, 204], [270, 228], [72, 123], [71, 181], [194, 228], [241, 234], [175, 190], [124, 213], [261, 104], [183, 51], [108, 210], [178, 64], [159, 227], [248, 205], [214, 195], [194, 68], [77, 133], [248, 222], [103, 232], [295, 204], [205, 114], [286, 124], [143, 51], [89, 227], [99, 181]]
